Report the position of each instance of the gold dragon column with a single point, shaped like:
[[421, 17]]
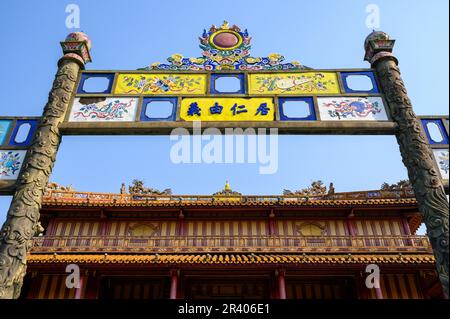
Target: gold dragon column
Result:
[[22, 221], [415, 150]]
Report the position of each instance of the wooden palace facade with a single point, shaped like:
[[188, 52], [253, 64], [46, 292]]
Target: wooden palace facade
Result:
[[300, 245]]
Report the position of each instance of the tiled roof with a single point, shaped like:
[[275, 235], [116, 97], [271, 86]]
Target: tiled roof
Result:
[[226, 202], [231, 259]]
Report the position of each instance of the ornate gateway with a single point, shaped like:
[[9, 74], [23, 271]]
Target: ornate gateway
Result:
[[263, 92]]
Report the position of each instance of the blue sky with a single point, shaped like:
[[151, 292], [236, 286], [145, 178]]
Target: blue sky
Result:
[[132, 34]]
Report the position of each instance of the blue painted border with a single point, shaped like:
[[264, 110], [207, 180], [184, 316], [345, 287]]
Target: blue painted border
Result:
[[215, 76], [344, 76], [8, 128], [312, 116], [27, 141], [441, 127], [147, 100], [85, 76]]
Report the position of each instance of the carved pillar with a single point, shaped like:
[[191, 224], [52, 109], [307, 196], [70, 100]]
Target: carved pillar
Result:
[[22, 221], [416, 153]]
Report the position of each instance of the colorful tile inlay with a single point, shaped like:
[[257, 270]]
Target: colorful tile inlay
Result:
[[302, 83], [442, 159], [23, 132], [227, 109], [435, 131], [4, 128], [352, 109], [109, 110], [158, 84], [10, 164]]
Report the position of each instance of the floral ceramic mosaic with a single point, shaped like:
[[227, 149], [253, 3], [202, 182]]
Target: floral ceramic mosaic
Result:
[[161, 84], [10, 164], [304, 83]]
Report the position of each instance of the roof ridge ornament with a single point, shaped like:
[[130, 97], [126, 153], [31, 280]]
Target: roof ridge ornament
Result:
[[227, 191], [225, 48]]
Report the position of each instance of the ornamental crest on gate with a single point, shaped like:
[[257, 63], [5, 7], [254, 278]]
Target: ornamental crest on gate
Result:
[[225, 48]]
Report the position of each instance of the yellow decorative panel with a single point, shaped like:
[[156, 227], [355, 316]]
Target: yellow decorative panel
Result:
[[144, 230], [160, 84], [303, 83], [227, 109]]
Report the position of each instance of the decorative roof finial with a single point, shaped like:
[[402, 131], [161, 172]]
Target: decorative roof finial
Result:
[[225, 48], [227, 191]]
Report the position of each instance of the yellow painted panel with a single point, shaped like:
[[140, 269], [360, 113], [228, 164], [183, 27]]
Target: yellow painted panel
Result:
[[227, 109], [304, 83], [161, 84]]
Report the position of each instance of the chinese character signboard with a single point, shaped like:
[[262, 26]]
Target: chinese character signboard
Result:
[[227, 109]]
